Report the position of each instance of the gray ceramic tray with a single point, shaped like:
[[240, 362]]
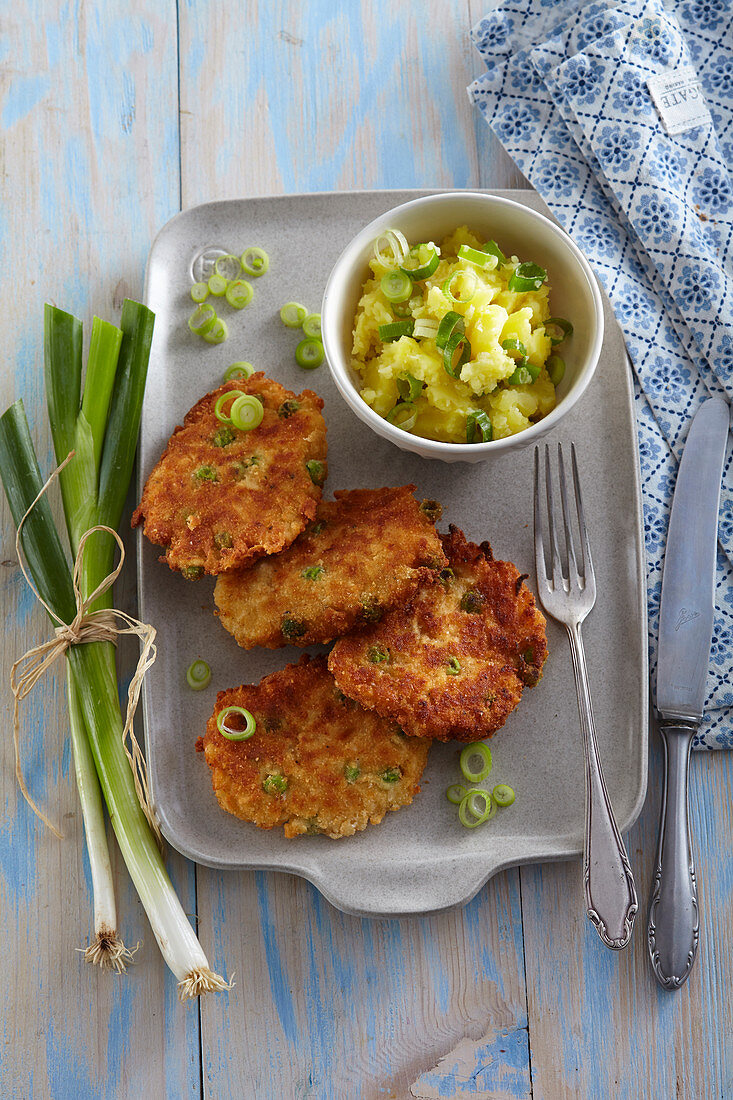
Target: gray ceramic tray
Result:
[[419, 859]]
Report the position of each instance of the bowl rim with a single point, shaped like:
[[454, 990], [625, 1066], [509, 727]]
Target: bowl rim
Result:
[[435, 447]]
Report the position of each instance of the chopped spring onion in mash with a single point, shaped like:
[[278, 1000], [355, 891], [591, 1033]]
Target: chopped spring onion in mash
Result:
[[394, 330], [198, 675], [556, 369], [514, 348], [235, 723], [475, 256], [527, 277], [420, 262], [478, 428], [456, 341], [471, 754], [409, 388], [425, 328], [454, 286], [559, 324], [403, 415], [397, 244], [396, 286]]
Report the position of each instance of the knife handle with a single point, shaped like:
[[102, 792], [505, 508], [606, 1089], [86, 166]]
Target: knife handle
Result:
[[674, 916]]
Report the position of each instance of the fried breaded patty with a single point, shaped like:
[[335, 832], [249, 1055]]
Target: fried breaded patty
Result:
[[367, 551], [317, 762], [219, 498], [452, 663]]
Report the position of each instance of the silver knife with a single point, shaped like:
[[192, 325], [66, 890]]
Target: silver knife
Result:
[[685, 635]]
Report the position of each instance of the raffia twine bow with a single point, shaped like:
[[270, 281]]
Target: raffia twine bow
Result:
[[102, 625]]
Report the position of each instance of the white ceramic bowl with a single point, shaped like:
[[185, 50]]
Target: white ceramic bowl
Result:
[[519, 231]]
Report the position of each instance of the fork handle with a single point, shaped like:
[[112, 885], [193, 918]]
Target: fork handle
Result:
[[610, 894], [674, 916]]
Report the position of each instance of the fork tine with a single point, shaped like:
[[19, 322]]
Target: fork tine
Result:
[[569, 544], [584, 540], [556, 560]]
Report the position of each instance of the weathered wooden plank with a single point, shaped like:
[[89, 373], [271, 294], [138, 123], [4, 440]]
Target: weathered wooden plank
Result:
[[608, 1028], [89, 129], [318, 97]]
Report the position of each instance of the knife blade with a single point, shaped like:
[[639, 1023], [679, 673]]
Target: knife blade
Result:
[[685, 636]]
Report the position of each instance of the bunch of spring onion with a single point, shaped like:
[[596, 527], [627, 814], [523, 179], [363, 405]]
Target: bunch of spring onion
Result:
[[100, 425]]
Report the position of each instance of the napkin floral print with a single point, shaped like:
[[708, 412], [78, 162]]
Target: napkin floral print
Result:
[[567, 95]]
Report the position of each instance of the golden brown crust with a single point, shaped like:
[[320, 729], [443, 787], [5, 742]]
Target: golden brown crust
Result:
[[367, 551], [401, 666], [219, 507], [309, 733]]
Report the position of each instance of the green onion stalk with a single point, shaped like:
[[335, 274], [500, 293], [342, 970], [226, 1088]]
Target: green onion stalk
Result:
[[100, 426]]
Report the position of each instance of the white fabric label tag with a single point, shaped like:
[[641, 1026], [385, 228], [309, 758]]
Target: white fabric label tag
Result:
[[678, 98]]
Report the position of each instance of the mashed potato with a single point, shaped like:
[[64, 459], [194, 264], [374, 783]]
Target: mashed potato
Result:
[[406, 379]]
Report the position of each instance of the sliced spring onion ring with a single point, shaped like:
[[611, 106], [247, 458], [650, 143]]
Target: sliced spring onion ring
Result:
[[503, 795], [493, 249], [409, 388], [514, 347], [402, 309], [230, 395], [394, 330], [456, 341], [524, 374], [478, 428], [403, 415], [558, 323], [555, 367], [218, 334], [312, 326], [255, 261], [396, 285], [447, 286], [239, 293], [425, 328], [293, 314], [217, 285], [456, 793], [200, 292], [202, 320], [238, 370], [231, 732], [527, 276], [247, 412], [229, 267], [198, 675], [396, 242], [451, 322], [476, 749], [420, 262], [309, 354], [477, 807], [481, 259]]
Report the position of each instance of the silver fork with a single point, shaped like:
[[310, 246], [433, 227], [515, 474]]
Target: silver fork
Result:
[[567, 588]]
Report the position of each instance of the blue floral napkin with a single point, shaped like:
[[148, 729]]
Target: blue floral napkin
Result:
[[566, 93]]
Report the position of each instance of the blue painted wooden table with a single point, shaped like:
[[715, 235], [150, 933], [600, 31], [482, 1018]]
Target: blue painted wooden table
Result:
[[113, 117]]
